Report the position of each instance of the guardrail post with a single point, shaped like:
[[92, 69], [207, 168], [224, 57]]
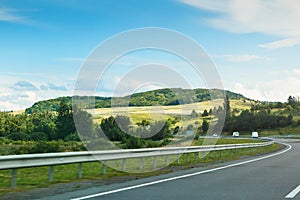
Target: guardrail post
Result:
[[203, 154], [123, 165], [221, 153], [178, 159], [79, 175], [195, 157], [141, 163], [50, 173], [187, 159], [103, 167], [154, 162], [167, 160], [13, 181]]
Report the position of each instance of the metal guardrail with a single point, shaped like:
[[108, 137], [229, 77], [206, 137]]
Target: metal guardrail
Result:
[[15, 162]]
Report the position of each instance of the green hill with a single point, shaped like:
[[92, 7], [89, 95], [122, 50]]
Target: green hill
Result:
[[163, 97]]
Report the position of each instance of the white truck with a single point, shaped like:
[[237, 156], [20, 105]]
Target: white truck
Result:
[[235, 134], [254, 134]]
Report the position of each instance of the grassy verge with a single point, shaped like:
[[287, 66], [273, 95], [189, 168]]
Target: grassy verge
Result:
[[202, 141], [38, 177], [282, 131]]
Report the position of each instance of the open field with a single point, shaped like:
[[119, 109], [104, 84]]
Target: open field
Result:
[[240, 104], [137, 114]]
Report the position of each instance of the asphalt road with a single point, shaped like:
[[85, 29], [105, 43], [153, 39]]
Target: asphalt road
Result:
[[270, 178]]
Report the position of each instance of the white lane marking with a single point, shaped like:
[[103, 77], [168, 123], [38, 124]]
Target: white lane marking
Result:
[[183, 176], [293, 193]]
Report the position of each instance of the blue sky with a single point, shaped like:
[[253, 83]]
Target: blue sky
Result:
[[253, 43]]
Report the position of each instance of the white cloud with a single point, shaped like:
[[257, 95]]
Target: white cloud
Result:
[[277, 17], [12, 100], [19, 95], [216, 5], [8, 14], [240, 57], [24, 85], [290, 42], [294, 72], [275, 90], [252, 93], [20, 100]]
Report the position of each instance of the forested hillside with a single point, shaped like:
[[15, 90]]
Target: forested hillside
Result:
[[164, 97]]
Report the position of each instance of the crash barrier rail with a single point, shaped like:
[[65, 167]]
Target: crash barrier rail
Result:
[[14, 162]]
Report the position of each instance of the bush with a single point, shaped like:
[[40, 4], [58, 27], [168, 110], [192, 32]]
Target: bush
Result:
[[152, 144], [46, 147], [19, 136], [134, 143], [38, 136], [73, 137]]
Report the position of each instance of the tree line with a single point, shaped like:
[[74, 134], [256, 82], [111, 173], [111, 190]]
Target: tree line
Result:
[[44, 125], [260, 116], [164, 97]]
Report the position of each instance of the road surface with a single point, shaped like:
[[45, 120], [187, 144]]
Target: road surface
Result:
[[275, 177]]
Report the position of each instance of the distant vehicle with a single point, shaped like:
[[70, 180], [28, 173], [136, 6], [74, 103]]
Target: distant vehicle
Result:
[[215, 135], [254, 134], [236, 134], [190, 132]]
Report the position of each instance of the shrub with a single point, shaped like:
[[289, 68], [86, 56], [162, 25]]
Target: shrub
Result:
[[19, 136], [134, 143], [38, 136], [46, 147], [73, 137]]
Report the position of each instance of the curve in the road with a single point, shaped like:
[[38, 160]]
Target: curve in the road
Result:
[[289, 147]]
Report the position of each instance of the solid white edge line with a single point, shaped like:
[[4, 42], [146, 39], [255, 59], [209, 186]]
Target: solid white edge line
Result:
[[183, 176], [293, 193]]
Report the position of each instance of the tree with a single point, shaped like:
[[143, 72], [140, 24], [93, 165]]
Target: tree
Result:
[[84, 124], [161, 130], [292, 101], [194, 114], [123, 122], [64, 123], [205, 113], [205, 126], [111, 129], [227, 107], [289, 119]]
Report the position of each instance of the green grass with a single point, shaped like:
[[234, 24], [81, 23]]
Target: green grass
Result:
[[281, 131], [30, 178], [206, 141]]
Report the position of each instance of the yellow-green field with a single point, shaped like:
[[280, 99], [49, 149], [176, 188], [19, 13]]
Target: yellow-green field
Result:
[[157, 113]]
